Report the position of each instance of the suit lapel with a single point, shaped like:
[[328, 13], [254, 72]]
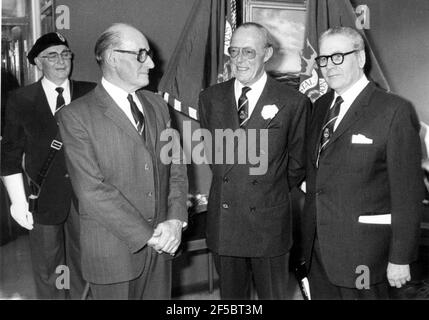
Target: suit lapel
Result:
[[354, 113], [256, 121], [44, 111], [150, 119], [268, 97], [226, 112], [321, 116], [114, 113]]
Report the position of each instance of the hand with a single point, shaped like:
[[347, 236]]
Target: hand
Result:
[[398, 274], [169, 235], [20, 214], [154, 240]]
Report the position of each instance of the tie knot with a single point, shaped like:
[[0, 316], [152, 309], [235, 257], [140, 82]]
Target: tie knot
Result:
[[339, 100], [59, 90], [245, 90], [130, 98]]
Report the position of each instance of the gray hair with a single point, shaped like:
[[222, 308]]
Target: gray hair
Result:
[[111, 37], [266, 35], [352, 34]]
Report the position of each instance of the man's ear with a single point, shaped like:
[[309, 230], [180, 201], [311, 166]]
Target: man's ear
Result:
[[268, 53], [362, 58], [110, 57], [39, 64]]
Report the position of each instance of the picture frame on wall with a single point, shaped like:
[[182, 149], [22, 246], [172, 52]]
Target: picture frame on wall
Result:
[[286, 21]]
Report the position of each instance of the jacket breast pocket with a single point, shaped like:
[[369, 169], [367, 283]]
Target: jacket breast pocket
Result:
[[362, 156]]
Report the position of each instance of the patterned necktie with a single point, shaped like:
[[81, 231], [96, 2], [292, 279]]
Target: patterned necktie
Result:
[[243, 106], [60, 99], [137, 115], [328, 128]]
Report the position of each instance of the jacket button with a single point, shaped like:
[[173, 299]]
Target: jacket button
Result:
[[226, 180], [225, 205], [253, 209], [146, 167], [149, 194], [149, 220], [66, 175]]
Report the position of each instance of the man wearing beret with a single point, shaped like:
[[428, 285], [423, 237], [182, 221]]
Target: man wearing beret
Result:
[[29, 146]]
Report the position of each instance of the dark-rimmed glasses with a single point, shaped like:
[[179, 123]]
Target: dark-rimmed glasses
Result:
[[142, 54], [336, 58], [54, 56]]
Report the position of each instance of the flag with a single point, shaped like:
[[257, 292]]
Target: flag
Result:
[[321, 15], [199, 59], [312, 83]]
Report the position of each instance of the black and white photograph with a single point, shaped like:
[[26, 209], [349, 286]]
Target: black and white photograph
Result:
[[214, 154]]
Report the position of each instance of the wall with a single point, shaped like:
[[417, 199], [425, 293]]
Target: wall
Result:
[[399, 35], [161, 21]]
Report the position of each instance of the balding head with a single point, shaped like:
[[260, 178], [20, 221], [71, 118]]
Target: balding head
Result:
[[117, 52]]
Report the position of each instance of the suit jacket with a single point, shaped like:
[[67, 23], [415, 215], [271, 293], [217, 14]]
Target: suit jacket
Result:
[[249, 215], [30, 128], [123, 188], [382, 177]]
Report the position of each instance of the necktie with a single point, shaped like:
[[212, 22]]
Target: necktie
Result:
[[137, 115], [328, 128], [60, 99], [243, 106]]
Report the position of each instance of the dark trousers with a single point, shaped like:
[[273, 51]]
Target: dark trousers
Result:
[[270, 276], [154, 283], [321, 287], [53, 246]]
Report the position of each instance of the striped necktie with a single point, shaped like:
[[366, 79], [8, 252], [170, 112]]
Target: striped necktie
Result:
[[137, 115], [243, 106], [60, 99], [328, 127]]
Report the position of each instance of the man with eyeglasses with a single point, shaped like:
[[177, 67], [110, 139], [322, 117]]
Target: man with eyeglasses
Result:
[[249, 222], [132, 202], [30, 131], [364, 182]]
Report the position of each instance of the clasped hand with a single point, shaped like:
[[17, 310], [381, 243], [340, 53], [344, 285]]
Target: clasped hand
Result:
[[167, 236]]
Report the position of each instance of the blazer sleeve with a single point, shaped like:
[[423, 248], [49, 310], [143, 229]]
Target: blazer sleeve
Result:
[[101, 200], [297, 143], [178, 181], [13, 139], [406, 184]]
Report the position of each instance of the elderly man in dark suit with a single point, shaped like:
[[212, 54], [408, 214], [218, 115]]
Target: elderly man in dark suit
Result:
[[364, 182], [132, 202], [249, 219], [30, 129]]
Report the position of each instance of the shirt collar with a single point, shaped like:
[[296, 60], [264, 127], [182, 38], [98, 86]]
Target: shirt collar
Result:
[[258, 86], [52, 86], [351, 94], [114, 90]]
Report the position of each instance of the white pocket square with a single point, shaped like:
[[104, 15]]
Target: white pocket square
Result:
[[360, 139], [376, 219]]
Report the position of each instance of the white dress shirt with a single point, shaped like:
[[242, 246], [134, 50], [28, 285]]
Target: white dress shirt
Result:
[[349, 97], [52, 95], [120, 97], [252, 95]]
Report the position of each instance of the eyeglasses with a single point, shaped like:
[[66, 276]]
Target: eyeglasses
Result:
[[336, 58], [54, 56], [142, 54], [246, 52]]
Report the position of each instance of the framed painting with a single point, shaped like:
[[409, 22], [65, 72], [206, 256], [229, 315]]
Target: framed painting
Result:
[[285, 20]]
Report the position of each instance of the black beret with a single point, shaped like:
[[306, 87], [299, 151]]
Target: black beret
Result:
[[44, 42]]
